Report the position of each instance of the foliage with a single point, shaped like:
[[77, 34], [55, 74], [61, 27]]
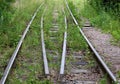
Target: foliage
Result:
[[14, 20], [6, 14], [5, 4], [111, 6], [106, 20], [5, 9]]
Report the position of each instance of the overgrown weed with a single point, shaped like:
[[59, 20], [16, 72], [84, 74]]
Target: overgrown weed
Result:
[[106, 21]]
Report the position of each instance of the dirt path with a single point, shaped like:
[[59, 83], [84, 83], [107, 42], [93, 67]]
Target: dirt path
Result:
[[101, 41]]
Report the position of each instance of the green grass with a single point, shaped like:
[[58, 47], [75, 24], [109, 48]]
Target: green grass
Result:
[[76, 42], [28, 68], [103, 80], [48, 23], [100, 19], [75, 39], [29, 65]]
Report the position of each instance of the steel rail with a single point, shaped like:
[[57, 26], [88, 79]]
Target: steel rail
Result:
[[13, 57], [91, 46], [64, 48], [43, 48]]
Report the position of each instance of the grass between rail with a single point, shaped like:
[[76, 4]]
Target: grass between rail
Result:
[[27, 67], [49, 22]]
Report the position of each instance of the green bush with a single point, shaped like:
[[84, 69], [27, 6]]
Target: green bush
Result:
[[5, 10], [101, 15], [6, 14], [111, 6]]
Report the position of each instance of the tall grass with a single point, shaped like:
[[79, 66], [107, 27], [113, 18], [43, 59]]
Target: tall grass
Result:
[[107, 21], [14, 22], [11, 30], [5, 10]]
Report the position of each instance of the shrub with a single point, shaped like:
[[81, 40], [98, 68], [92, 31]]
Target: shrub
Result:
[[5, 9], [111, 6]]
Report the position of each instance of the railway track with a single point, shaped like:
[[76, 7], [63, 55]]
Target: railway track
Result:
[[53, 56], [79, 69], [106, 68], [14, 55]]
